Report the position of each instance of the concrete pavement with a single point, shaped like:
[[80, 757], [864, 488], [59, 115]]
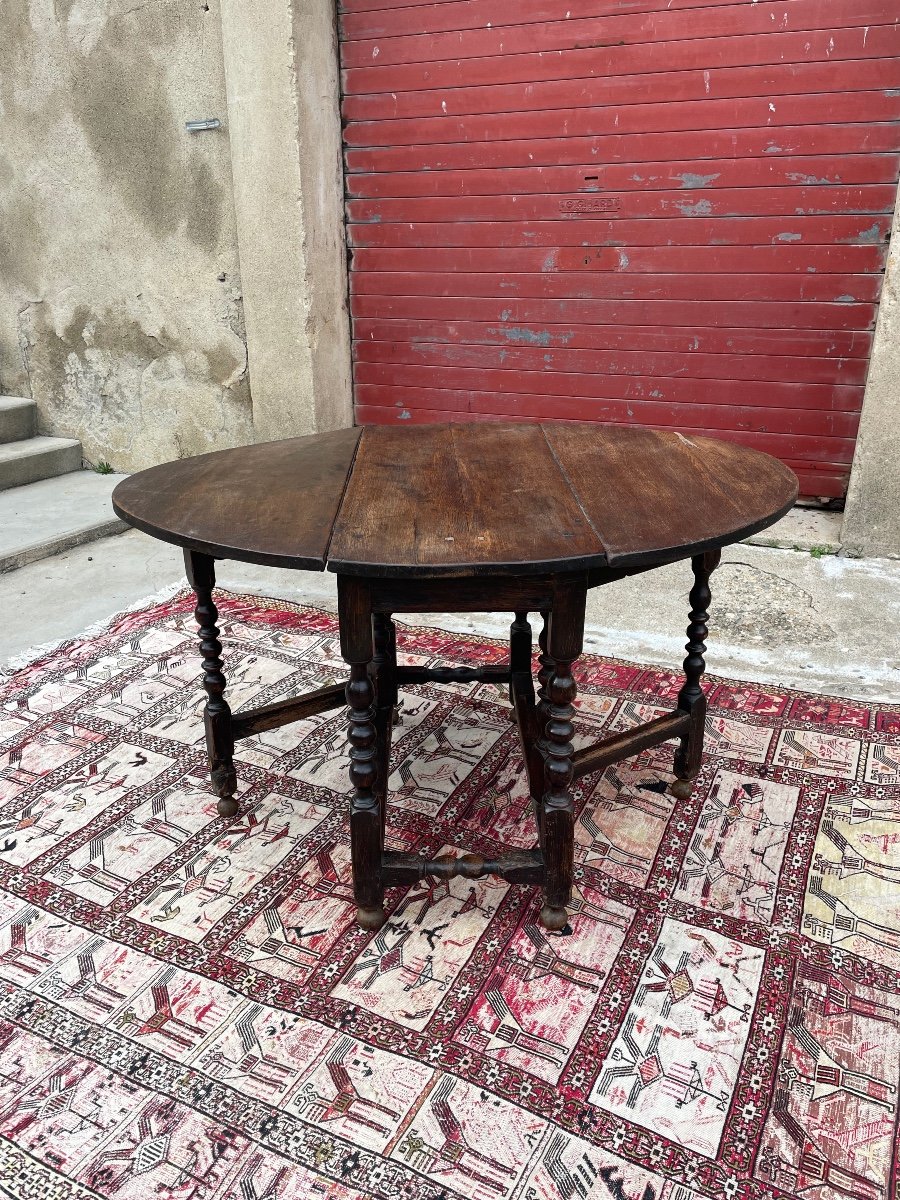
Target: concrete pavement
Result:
[[825, 624], [44, 518]]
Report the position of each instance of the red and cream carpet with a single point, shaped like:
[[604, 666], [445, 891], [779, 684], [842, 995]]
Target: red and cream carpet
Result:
[[187, 1011]]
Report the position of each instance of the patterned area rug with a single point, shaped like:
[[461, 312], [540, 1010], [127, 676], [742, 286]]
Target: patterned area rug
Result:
[[187, 1011]]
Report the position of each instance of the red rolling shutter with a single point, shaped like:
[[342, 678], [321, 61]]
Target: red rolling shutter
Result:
[[669, 212]]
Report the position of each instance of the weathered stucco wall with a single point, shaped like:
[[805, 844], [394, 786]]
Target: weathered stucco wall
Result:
[[121, 307], [281, 73], [119, 270], [872, 516]]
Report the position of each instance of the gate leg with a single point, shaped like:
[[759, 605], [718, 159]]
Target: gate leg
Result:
[[691, 698], [201, 574], [564, 643], [357, 648]]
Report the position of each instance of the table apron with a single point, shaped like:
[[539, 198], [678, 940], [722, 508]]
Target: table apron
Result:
[[475, 594]]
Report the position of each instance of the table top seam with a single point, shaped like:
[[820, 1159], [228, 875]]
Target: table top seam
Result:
[[340, 503], [573, 491], [281, 503]]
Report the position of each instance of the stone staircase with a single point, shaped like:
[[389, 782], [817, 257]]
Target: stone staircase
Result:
[[47, 502], [24, 457]]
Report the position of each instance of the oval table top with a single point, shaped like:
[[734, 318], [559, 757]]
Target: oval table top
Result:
[[459, 500]]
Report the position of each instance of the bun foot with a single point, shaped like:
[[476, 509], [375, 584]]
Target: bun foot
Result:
[[227, 806], [554, 919], [370, 918], [681, 789]]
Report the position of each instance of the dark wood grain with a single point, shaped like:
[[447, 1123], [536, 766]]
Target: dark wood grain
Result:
[[366, 737], [565, 635], [490, 674], [273, 503], [458, 500], [632, 741], [545, 674], [437, 503], [519, 648], [217, 720], [691, 697], [284, 712], [650, 493], [462, 518], [515, 866], [384, 676], [501, 593]]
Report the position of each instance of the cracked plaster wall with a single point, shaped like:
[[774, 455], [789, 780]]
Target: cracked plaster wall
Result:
[[872, 515], [120, 300]]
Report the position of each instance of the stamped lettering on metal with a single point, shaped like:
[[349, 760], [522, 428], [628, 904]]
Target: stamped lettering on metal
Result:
[[590, 204]]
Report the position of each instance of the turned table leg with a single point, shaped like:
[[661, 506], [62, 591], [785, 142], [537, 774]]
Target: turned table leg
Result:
[[564, 643], [519, 647], [366, 833], [216, 714], [385, 678], [545, 674], [545, 671], [691, 698]]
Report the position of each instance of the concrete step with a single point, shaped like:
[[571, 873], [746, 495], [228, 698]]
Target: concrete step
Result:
[[810, 529], [37, 458], [17, 418], [45, 518]]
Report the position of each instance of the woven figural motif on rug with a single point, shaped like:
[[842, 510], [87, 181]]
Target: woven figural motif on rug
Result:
[[187, 1009]]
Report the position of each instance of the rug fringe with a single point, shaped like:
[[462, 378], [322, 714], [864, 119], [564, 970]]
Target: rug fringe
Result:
[[39, 650]]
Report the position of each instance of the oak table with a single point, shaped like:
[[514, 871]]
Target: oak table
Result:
[[462, 518]]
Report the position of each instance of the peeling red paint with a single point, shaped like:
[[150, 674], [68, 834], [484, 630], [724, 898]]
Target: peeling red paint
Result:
[[690, 209]]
